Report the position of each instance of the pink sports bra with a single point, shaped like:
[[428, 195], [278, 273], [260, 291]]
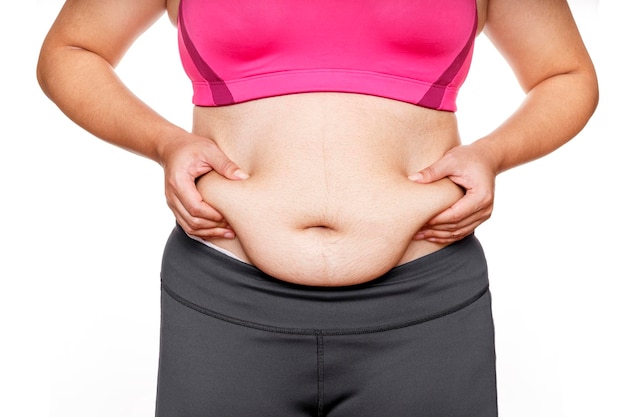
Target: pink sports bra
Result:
[[416, 51]]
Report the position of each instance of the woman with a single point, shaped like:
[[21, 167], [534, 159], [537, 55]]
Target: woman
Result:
[[324, 261]]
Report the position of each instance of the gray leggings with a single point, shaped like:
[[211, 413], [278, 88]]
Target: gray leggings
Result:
[[235, 342]]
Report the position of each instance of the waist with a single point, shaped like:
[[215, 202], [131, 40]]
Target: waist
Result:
[[328, 201], [429, 287]]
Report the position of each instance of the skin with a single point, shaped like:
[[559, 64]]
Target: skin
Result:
[[538, 38], [541, 43]]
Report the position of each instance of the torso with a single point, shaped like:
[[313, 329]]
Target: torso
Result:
[[328, 201]]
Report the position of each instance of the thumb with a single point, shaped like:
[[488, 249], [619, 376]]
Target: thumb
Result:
[[225, 167], [429, 174]]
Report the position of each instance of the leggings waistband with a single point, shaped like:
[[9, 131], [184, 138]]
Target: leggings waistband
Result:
[[225, 288]]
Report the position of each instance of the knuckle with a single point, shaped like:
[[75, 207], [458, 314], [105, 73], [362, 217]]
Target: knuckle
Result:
[[226, 166], [428, 233], [429, 172], [210, 144], [172, 181], [195, 223], [456, 216], [194, 211], [451, 158]]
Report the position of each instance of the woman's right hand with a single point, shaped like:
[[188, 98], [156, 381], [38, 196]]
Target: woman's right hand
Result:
[[184, 160], [76, 70]]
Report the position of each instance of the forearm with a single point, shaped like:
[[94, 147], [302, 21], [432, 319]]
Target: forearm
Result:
[[86, 88], [540, 41], [553, 112]]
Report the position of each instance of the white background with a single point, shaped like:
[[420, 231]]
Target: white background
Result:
[[84, 223]]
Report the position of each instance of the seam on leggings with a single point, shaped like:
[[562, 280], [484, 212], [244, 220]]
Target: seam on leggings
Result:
[[325, 332], [320, 374]]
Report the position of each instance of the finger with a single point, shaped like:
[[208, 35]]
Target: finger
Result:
[[447, 229], [456, 230], [216, 232], [196, 223], [447, 236], [200, 215], [204, 229], [197, 217], [224, 166], [188, 201], [468, 207], [439, 170]]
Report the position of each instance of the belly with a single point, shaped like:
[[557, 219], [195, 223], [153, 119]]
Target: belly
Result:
[[328, 201]]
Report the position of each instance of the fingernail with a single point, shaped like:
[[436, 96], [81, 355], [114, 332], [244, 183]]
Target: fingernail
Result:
[[229, 235], [416, 177], [420, 236], [241, 175]]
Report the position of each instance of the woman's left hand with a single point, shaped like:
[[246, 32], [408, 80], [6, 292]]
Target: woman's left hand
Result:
[[470, 168]]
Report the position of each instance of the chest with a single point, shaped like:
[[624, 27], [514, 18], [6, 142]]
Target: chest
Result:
[[246, 27]]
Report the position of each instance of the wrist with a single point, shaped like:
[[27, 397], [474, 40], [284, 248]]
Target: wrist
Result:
[[168, 139], [493, 154]]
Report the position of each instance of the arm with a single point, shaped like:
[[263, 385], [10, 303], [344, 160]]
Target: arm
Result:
[[76, 70], [540, 41]]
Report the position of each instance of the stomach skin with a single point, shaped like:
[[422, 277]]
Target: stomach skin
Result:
[[328, 201]]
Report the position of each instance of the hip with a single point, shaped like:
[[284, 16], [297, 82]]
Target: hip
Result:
[[395, 345]]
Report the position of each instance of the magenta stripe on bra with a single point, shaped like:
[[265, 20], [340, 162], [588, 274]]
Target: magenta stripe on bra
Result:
[[434, 95], [221, 94]]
